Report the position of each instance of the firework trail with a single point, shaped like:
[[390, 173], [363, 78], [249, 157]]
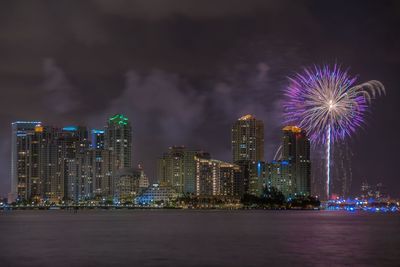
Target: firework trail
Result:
[[328, 105]]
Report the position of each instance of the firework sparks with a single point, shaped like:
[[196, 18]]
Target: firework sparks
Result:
[[328, 105]]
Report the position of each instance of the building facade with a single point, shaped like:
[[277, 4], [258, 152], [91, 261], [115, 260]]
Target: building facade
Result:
[[247, 142], [248, 139], [291, 174], [215, 178], [118, 138], [296, 150], [177, 169], [280, 176], [21, 132], [52, 164]]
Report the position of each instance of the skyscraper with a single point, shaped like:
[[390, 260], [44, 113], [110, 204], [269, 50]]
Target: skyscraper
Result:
[[55, 164], [296, 150], [51, 163], [207, 177], [248, 139], [102, 172], [248, 152], [291, 174], [73, 145], [119, 140], [20, 159], [230, 177], [171, 170]]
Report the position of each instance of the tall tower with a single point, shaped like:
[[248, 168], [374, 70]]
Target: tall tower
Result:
[[248, 139], [20, 158], [102, 165], [119, 140], [51, 163], [73, 144], [296, 150], [248, 151]]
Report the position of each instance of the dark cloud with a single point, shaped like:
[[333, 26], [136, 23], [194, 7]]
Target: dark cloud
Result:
[[183, 71], [57, 89]]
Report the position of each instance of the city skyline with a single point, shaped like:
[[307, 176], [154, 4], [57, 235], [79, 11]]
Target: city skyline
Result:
[[98, 139], [184, 78], [199, 133], [73, 163]]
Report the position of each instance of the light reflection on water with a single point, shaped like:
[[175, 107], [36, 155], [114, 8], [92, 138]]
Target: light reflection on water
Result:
[[198, 238]]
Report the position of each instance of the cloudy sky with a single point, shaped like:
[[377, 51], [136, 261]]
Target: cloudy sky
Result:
[[183, 71]]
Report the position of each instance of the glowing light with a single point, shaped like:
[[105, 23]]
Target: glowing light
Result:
[[293, 129], [326, 103], [38, 128], [94, 131], [70, 128], [119, 119], [246, 117], [26, 122], [328, 160]]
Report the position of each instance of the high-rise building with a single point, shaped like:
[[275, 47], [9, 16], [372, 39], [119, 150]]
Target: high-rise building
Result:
[[118, 138], [207, 177], [21, 160], [102, 172], [51, 164], [171, 171], [230, 177], [177, 169], [97, 139], [102, 160], [55, 164], [254, 176], [281, 178], [217, 178], [291, 174], [258, 176], [248, 139], [296, 150], [73, 146], [248, 152]]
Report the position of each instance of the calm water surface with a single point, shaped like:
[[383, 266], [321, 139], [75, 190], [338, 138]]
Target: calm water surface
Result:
[[198, 238]]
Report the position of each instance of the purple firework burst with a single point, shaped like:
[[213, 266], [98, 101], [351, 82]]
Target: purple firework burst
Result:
[[325, 99]]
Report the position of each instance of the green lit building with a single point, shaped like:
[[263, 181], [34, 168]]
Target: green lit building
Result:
[[118, 138]]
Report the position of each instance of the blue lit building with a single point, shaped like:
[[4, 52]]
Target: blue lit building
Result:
[[97, 139], [156, 195], [281, 177]]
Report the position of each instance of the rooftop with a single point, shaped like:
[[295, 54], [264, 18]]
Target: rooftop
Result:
[[119, 119], [293, 129], [247, 117]]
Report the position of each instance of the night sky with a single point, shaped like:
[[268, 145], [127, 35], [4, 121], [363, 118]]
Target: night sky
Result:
[[183, 71]]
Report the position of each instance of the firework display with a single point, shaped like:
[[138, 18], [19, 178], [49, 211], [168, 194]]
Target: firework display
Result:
[[328, 104]]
